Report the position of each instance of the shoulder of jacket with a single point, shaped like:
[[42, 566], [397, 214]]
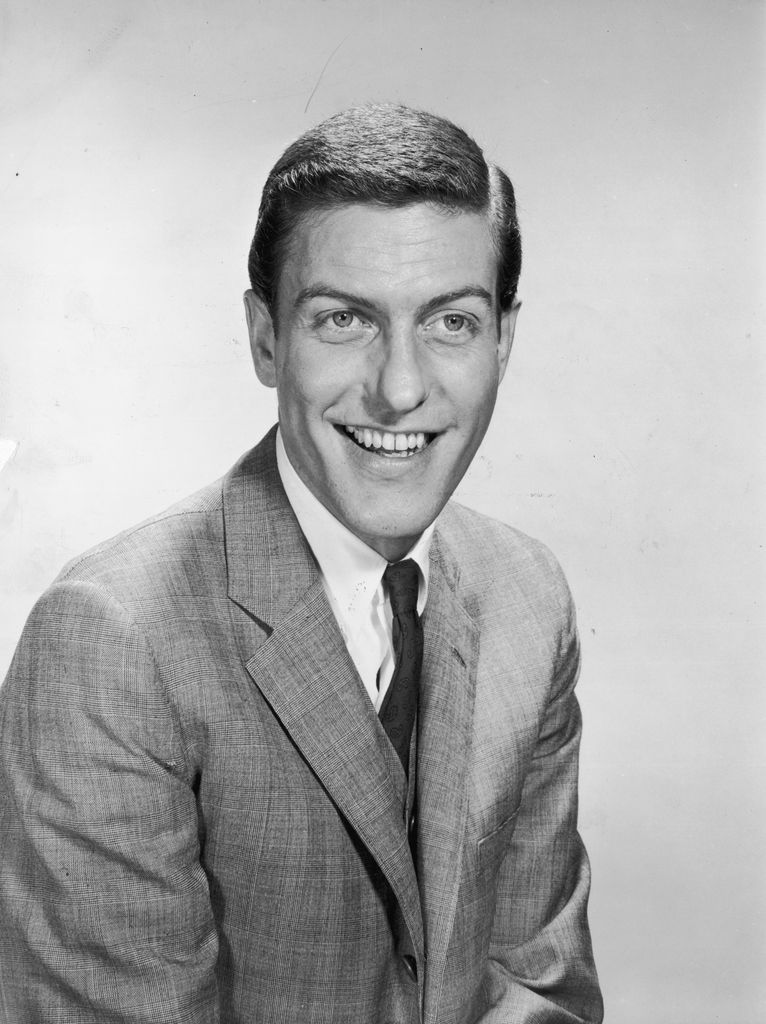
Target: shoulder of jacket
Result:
[[495, 558], [163, 540]]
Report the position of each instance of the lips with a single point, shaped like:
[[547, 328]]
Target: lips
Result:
[[389, 443]]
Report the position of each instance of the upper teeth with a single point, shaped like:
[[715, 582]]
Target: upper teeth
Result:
[[387, 440]]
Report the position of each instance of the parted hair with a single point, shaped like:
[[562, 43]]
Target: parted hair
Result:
[[391, 155]]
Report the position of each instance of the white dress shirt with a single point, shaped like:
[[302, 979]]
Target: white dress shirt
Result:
[[352, 574]]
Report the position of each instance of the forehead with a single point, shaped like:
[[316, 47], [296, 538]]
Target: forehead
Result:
[[391, 254]]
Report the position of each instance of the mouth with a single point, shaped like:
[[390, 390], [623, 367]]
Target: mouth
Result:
[[388, 444]]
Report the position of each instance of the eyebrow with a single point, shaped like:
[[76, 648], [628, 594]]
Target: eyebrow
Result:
[[321, 290], [470, 291]]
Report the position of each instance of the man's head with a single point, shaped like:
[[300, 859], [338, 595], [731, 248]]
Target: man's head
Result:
[[390, 155], [384, 270]]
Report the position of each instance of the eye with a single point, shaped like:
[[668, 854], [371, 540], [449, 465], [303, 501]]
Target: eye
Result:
[[452, 328], [342, 327], [342, 318], [454, 322]]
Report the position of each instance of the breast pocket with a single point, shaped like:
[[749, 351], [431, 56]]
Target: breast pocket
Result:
[[493, 846]]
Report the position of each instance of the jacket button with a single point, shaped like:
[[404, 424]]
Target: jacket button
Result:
[[410, 965]]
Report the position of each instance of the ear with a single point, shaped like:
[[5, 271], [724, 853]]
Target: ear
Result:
[[260, 327], [505, 341]]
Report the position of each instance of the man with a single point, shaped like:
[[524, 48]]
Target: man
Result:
[[304, 747]]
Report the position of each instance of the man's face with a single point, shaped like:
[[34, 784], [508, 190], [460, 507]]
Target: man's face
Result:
[[386, 357]]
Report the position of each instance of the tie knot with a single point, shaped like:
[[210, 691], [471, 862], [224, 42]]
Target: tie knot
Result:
[[402, 580]]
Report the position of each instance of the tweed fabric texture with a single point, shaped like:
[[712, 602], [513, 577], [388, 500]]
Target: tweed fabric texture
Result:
[[202, 818]]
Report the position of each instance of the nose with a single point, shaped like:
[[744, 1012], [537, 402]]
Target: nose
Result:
[[397, 383]]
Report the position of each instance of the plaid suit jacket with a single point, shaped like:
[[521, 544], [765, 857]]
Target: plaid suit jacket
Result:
[[200, 815]]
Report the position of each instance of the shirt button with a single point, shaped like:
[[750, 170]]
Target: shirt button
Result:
[[410, 965]]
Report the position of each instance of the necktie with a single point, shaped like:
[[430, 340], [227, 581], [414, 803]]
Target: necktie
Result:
[[397, 712]]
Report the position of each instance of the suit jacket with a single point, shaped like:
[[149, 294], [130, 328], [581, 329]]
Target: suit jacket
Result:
[[202, 818]]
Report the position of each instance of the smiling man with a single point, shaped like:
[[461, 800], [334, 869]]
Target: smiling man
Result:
[[389, 349], [304, 747]]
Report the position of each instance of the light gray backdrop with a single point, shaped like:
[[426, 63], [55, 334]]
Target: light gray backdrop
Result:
[[135, 139]]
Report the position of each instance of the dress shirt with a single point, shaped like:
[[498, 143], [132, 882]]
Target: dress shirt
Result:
[[352, 574]]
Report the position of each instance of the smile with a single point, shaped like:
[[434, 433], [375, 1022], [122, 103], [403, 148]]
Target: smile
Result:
[[388, 443]]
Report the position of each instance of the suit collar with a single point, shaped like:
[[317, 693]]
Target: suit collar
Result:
[[269, 563], [447, 692]]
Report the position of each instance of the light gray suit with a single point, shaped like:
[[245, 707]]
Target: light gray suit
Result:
[[202, 818]]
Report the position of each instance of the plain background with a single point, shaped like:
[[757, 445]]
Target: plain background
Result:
[[629, 432]]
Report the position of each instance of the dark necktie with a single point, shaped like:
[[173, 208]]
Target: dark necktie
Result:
[[397, 712]]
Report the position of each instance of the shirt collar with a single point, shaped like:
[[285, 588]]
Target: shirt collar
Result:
[[351, 569]]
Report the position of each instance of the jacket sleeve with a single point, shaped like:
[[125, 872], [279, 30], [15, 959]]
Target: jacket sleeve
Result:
[[541, 965], [105, 914]]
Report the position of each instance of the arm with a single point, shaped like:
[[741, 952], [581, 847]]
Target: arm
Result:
[[541, 966], [105, 914]]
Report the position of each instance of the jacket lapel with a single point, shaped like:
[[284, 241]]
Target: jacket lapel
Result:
[[444, 749], [302, 667]]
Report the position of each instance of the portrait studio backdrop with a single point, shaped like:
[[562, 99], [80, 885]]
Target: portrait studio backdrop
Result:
[[136, 138]]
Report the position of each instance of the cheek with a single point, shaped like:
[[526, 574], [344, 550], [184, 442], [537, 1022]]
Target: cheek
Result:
[[314, 378], [296, 385], [474, 391]]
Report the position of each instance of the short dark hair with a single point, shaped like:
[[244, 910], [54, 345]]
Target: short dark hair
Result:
[[391, 155]]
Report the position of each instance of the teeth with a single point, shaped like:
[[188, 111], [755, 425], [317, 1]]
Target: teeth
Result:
[[390, 442]]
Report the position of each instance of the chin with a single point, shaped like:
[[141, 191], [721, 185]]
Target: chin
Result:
[[391, 537]]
